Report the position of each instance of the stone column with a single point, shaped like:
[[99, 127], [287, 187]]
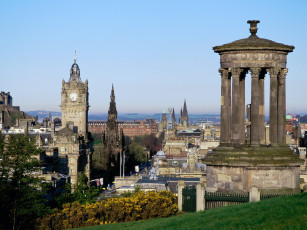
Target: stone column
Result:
[[261, 109], [236, 105], [273, 104], [255, 140], [254, 194], [200, 194], [242, 108], [281, 115], [225, 107], [180, 198]]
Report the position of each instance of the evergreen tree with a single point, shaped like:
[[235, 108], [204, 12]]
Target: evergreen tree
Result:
[[21, 201]]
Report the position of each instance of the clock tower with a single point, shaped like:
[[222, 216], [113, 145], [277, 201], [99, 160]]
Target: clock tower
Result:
[[74, 101]]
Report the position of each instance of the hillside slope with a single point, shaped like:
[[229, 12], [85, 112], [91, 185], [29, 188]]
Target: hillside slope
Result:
[[275, 213]]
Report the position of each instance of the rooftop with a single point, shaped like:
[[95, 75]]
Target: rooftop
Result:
[[253, 42]]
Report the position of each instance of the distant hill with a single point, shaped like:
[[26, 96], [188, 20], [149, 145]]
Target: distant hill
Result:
[[43, 114], [276, 213], [194, 118]]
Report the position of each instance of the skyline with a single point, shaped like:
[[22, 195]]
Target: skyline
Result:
[[156, 53]]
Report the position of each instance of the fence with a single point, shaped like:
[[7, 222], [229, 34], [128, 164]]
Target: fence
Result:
[[269, 196], [218, 199]]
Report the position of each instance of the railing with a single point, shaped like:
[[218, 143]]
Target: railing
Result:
[[218, 199], [269, 196]]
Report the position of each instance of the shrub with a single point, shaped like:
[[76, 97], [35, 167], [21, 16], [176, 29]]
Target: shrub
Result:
[[138, 206]]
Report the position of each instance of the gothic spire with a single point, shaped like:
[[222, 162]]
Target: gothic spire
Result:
[[185, 110], [173, 115], [184, 118], [112, 108]]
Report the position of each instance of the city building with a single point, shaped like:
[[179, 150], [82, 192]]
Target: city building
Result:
[[73, 143], [130, 128], [67, 149]]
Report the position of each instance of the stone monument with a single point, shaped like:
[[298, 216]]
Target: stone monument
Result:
[[236, 166]]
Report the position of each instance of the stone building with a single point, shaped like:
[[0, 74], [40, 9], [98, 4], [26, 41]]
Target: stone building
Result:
[[10, 115], [162, 124], [73, 142], [67, 149], [130, 128], [236, 165], [74, 102], [6, 98], [1, 120]]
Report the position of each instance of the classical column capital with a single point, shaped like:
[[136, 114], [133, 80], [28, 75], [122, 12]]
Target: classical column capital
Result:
[[235, 72], [283, 73], [223, 72], [273, 71], [255, 72]]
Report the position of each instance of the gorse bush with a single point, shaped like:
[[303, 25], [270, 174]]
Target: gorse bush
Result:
[[138, 206]]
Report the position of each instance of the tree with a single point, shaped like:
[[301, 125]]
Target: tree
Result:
[[82, 192], [99, 157], [21, 200], [137, 152]]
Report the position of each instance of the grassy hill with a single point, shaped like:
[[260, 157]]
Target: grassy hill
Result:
[[275, 213]]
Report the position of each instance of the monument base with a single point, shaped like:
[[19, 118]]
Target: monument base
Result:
[[272, 169]]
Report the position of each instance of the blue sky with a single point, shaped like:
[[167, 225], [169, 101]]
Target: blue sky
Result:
[[156, 52]]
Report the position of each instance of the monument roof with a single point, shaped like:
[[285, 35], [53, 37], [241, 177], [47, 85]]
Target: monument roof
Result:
[[253, 42]]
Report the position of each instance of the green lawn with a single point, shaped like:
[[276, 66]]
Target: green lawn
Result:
[[275, 213]]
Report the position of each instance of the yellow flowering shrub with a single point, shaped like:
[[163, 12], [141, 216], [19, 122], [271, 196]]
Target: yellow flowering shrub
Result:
[[138, 206]]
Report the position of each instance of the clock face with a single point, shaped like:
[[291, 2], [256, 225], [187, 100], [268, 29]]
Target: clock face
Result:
[[73, 96]]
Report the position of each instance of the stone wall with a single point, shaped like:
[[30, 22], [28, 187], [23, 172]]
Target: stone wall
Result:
[[241, 179], [127, 181]]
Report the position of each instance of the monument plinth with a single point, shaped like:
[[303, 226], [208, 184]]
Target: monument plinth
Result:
[[237, 165]]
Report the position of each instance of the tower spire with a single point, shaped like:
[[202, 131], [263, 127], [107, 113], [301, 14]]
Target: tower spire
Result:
[[174, 117], [75, 59], [112, 108]]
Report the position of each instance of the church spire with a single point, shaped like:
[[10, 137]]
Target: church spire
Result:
[[185, 110], [173, 116], [184, 118], [75, 59]]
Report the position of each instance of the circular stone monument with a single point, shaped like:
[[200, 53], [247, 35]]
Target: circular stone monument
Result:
[[237, 165]]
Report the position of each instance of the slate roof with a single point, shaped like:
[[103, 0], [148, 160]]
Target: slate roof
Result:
[[66, 130]]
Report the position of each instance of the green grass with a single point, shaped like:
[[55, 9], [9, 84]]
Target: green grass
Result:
[[276, 213]]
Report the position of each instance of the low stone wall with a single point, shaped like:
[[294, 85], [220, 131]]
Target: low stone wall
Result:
[[127, 181], [241, 179], [150, 186]]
